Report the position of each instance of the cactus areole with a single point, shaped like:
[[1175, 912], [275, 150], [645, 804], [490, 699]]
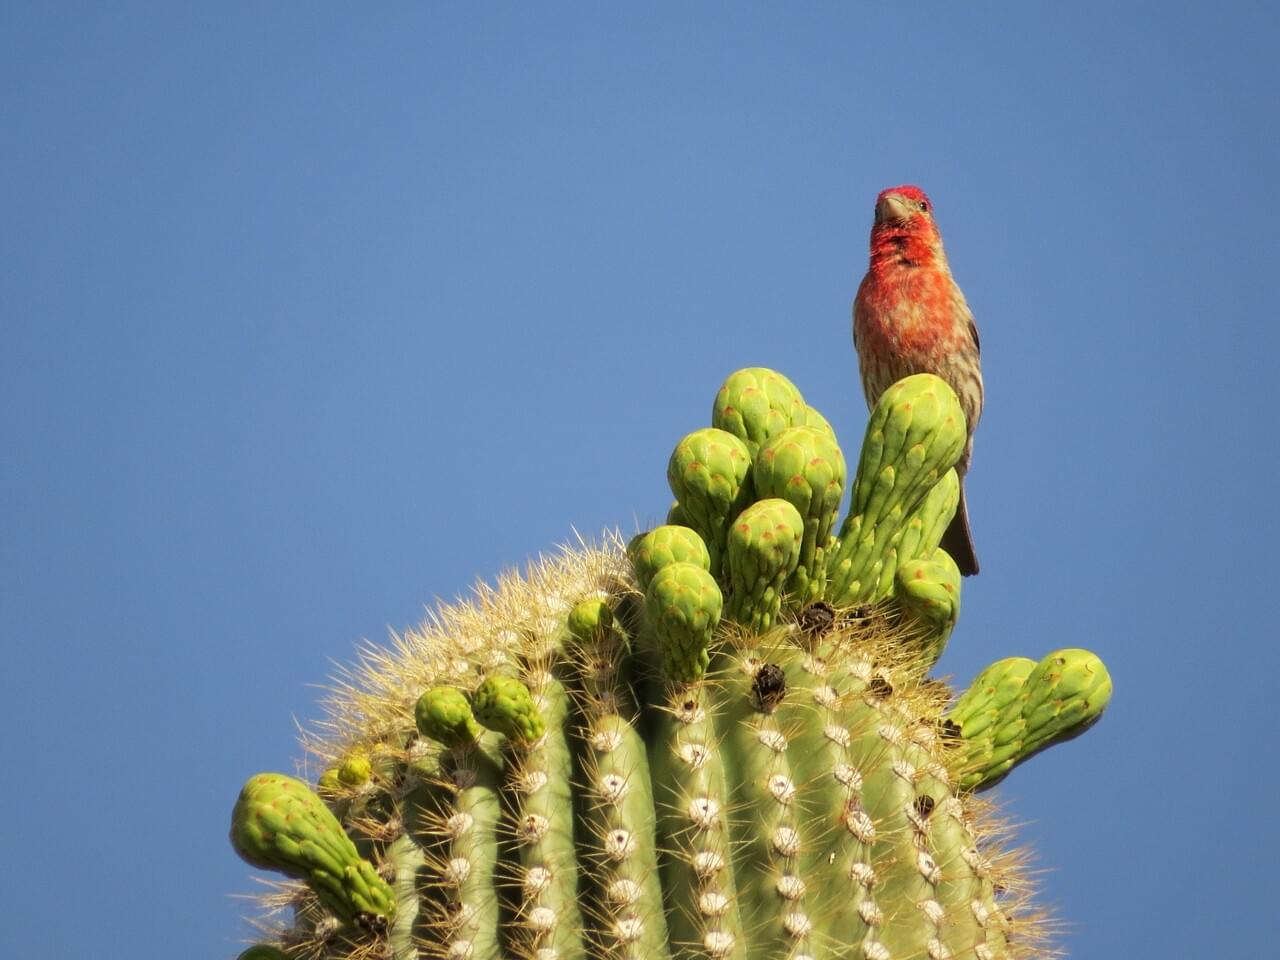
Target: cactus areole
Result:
[[719, 743]]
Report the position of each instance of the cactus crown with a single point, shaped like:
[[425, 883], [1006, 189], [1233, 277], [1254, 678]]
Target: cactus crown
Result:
[[720, 742]]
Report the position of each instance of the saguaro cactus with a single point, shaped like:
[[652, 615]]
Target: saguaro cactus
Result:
[[719, 743]]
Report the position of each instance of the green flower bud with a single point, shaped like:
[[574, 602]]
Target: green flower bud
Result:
[[764, 548], [650, 552], [682, 607], [589, 620], [505, 704], [709, 473], [804, 466], [355, 770], [756, 403], [444, 714]]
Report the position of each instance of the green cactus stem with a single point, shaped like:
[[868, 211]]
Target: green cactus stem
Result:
[[453, 815], [764, 548], [1016, 708], [278, 823], [620, 845]]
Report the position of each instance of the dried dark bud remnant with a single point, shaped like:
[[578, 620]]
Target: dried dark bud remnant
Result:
[[817, 619], [768, 688]]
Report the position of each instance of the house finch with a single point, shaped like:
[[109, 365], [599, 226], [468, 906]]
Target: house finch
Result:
[[910, 317]]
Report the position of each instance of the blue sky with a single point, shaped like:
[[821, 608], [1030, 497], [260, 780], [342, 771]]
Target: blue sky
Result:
[[312, 315]]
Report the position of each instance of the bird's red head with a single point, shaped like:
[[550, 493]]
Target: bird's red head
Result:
[[904, 206]]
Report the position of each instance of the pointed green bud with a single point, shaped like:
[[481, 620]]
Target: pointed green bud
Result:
[[505, 704], [1061, 697], [915, 435], [805, 467], [279, 824], [756, 403], [590, 620], [764, 548], [709, 473], [650, 552], [682, 608], [929, 591], [444, 714]]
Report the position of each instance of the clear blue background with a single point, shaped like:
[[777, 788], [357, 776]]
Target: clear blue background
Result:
[[311, 315]]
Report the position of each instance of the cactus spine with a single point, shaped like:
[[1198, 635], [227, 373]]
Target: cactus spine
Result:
[[720, 743]]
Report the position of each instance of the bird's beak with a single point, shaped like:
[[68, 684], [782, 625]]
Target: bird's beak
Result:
[[893, 207]]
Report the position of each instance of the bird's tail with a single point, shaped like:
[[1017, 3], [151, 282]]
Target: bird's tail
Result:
[[958, 540]]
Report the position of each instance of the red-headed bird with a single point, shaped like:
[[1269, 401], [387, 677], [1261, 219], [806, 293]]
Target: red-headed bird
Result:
[[910, 317]]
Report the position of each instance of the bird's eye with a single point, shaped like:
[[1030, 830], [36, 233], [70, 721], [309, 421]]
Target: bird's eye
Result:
[[924, 206]]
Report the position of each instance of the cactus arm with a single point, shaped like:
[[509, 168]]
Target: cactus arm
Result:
[[1012, 713], [916, 433], [682, 607], [280, 824]]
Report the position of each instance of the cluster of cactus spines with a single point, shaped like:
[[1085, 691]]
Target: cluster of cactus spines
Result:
[[720, 743]]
